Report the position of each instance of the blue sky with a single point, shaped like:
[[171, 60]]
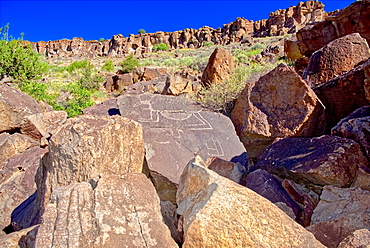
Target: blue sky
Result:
[[92, 20]]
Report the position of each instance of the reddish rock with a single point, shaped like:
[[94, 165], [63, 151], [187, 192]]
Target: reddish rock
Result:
[[157, 85], [41, 126], [337, 57], [325, 160], [119, 211], [233, 171], [147, 73], [177, 85], [359, 238], [352, 19], [344, 94], [17, 181], [14, 106], [291, 49], [14, 144], [356, 127], [339, 213], [303, 196], [23, 238], [362, 179], [280, 104], [269, 187], [220, 65], [117, 83]]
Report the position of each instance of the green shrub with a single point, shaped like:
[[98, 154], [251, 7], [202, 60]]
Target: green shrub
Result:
[[39, 91], [75, 65], [207, 43], [101, 39], [129, 63], [161, 47], [141, 31], [108, 66]]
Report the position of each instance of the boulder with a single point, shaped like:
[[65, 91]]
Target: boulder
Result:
[[218, 212], [319, 161], [337, 57], [220, 65], [118, 82], [157, 85], [344, 94], [42, 125], [352, 19], [230, 170], [12, 144], [107, 107], [359, 238], [175, 129], [362, 179], [14, 106], [269, 187], [23, 238], [339, 213], [291, 49], [119, 211], [147, 73], [279, 105], [17, 181], [356, 127], [177, 85]]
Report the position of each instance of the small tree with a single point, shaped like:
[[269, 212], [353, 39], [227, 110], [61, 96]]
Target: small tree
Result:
[[141, 31], [161, 47], [129, 63]]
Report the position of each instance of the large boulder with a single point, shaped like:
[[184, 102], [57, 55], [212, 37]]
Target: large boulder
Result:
[[352, 19], [12, 144], [17, 182], [14, 106], [325, 160], [89, 146], [339, 213], [337, 57], [220, 65], [359, 238], [218, 212], [230, 170], [356, 127], [279, 105], [119, 211], [42, 125], [344, 94], [175, 129]]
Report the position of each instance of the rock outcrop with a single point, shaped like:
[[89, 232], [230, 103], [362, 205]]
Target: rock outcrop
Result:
[[217, 212], [319, 161], [352, 19], [14, 106], [280, 22], [345, 93], [337, 57], [120, 210], [175, 129], [339, 213], [220, 65], [279, 105]]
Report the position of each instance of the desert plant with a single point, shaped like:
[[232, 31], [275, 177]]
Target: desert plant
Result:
[[141, 31], [108, 66], [18, 60], [101, 39], [129, 63], [161, 47], [207, 43]]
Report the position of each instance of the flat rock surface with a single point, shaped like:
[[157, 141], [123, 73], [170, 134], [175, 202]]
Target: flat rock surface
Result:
[[218, 212], [175, 129], [325, 160], [17, 181], [14, 105], [340, 212], [120, 211]]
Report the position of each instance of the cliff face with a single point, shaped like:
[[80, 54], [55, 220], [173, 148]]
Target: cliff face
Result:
[[280, 22]]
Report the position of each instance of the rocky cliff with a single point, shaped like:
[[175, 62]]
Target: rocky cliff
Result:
[[280, 22]]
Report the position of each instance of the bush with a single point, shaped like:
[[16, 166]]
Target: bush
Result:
[[141, 31], [108, 66], [161, 47], [129, 64], [101, 39], [207, 43], [18, 60]]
